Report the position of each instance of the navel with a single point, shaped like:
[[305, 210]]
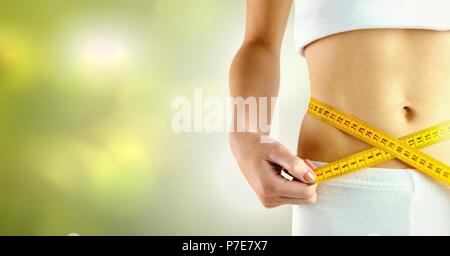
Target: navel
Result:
[[408, 113]]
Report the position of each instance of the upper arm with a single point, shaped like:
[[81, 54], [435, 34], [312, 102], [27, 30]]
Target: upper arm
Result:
[[266, 21]]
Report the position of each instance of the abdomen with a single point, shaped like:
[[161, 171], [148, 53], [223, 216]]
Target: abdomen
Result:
[[395, 79]]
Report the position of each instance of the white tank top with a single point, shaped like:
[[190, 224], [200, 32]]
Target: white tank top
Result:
[[315, 19]]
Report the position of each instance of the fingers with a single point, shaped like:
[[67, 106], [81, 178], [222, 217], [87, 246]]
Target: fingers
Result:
[[294, 165], [293, 189], [310, 164]]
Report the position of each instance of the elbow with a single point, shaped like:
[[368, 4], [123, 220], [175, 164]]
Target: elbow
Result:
[[261, 44], [255, 51]]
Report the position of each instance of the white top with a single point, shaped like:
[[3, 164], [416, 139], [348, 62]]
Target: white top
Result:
[[315, 19]]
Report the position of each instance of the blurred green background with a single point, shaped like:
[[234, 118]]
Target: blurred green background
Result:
[[85, 139]]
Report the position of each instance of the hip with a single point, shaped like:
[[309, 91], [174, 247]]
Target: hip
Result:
[[382, 201]]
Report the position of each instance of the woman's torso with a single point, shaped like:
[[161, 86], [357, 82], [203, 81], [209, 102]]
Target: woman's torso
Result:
[[395, 79]]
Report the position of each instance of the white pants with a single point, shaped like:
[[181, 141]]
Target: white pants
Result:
[[376, 201]]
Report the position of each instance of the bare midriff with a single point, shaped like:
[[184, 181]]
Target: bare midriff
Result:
[[395, 79]]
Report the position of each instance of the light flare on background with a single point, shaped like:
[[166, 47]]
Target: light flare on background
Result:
[[15, 56], [97, 53], [104, 53]]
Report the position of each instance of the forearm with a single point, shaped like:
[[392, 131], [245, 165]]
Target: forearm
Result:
[[255, 72]]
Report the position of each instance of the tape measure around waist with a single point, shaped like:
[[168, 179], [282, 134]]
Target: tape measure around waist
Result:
[[386, 146]]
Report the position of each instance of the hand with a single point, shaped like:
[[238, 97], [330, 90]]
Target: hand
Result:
[[261, 164]]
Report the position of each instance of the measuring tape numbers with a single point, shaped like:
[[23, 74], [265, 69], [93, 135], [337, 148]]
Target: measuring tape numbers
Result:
[[386, 147]]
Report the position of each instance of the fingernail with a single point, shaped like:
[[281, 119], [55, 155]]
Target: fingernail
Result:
[[310, 176]]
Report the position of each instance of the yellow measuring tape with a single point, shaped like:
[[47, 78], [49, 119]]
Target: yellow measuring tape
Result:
[[386, 146]]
